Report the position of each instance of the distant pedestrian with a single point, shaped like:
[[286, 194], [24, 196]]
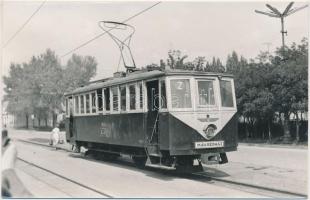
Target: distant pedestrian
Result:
[[54, 139]]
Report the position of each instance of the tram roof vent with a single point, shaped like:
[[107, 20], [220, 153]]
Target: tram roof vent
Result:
[[119, 74]]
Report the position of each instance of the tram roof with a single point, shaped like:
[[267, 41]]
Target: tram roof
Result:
[[140, 75]]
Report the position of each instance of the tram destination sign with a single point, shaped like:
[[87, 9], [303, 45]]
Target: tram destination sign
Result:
[[210, 144]]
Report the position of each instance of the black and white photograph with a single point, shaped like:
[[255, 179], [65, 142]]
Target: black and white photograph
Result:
[[154, 99]]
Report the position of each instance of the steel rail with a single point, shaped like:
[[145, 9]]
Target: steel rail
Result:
[[213, 178], [254, 186], [66, 178]]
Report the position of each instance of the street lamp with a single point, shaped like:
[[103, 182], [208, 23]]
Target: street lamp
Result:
[[277, 14]]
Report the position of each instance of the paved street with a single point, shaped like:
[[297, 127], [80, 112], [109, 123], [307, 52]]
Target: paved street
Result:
[[276, 168], [279, 168]]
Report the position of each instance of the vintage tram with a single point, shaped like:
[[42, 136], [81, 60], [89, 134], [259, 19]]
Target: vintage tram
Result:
[[168, 118]]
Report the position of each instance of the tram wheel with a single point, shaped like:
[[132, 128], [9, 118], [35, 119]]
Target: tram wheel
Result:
[[185, 161], [110, 156], [139, 161]]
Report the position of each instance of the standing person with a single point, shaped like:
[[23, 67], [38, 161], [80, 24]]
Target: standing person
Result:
[[54, 140]]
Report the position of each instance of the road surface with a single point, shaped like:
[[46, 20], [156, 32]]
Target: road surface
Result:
[[278, 168]]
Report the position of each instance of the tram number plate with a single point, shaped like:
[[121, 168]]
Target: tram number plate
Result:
[[211, 144]]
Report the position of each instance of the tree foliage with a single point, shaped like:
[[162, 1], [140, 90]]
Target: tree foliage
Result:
[[176, 60], [274, 87], [38, 87]]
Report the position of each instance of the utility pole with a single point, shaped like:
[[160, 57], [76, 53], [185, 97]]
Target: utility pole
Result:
[[277, 14]]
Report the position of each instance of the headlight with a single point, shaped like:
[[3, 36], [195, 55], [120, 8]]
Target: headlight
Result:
[[210, 131]]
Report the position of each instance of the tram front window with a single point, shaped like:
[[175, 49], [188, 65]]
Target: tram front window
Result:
[[205, 93], [180, 93], [226, 93]]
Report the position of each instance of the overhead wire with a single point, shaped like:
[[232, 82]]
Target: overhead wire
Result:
[[101, 34], [26, 22]]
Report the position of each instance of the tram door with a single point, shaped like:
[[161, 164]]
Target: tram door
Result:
[[152, 115], [70, 116]]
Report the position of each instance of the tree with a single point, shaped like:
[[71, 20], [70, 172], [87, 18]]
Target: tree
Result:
[[290, 84], [176, 59], [276, 84], [232, 63], [215, 66], [79, 70], [162, 64], [199, 63], [17, 93], [264, 57], [38, 87]]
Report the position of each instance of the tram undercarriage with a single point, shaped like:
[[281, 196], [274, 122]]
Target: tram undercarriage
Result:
[[141, 157]]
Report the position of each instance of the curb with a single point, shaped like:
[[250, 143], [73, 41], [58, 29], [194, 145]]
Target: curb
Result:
[[42, 144], [304, 147]]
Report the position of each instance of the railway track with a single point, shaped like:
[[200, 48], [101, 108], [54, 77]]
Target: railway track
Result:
[[103, 194], [256, 189]]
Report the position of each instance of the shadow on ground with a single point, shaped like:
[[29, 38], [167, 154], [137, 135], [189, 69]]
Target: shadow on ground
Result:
[[212, 172], [162, 174], [40, 140]]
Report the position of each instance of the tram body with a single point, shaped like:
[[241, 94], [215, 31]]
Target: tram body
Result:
[[171, 118]]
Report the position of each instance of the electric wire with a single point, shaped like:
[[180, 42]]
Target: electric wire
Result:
[[101, 34], [26, 22]]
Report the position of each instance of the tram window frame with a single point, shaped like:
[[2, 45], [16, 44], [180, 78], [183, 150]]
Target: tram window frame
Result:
[[165, 108], [112, 98], [88, 103], [93, 103], [191, 84], [233, 94], [215, 92], [67, 106], [76, 105], [141, 96], [122, 88], [100, 100], [107, 100], [82, 104], [130, 108]]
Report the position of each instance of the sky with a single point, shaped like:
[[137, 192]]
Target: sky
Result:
[[200, 28]]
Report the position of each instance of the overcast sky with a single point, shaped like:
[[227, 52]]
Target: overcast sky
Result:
[[196, 28]]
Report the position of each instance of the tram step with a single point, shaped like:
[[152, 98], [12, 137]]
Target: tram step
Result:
[[155, 154], [153, 150], [160, 166]]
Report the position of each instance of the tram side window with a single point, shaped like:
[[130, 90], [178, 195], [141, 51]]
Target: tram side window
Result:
[[107, 99], [67, 108], [87, 101], [180, 93], [70, 106], [226, 93], [140, 94], [115, 98], [99, 100], [163, 99], [93, 102], [82, 104], [123, 98], [76, 103], [132, 97]]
